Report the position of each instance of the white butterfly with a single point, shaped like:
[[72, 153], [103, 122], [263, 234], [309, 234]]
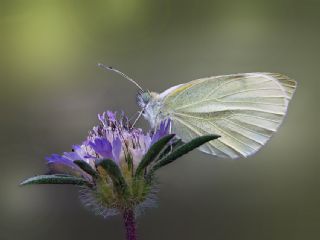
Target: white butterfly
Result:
[[244, 109]]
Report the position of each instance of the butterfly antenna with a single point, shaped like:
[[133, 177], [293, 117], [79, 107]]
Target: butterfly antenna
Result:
[[121, 73]]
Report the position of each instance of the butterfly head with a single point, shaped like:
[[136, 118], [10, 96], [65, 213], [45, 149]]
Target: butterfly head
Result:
[[148, 103], [143, 98]]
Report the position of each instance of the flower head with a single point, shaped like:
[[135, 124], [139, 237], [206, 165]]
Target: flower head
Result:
[[115, 165], [116, 140]]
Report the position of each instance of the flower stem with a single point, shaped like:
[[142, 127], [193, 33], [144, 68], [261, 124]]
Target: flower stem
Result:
[[130, 224]]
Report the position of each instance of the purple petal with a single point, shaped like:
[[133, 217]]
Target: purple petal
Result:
[[72, 156], [60, 165], [111, 116], [116, 149], [79, 150], [56, 158], [161, 131], [102, 117], [103, 147]]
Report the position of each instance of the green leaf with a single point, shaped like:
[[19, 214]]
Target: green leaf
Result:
[[115, 174], [86, 167], [152, 153], [55, 179], [182, 150]]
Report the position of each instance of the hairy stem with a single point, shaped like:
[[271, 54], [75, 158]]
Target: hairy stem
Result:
[[130, 224]]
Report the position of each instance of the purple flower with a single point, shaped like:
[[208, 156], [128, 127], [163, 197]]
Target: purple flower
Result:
[[108, 165], [114, 167], [113, 138]]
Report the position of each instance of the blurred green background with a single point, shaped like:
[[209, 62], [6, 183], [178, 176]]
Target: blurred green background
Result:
[[51, 91]]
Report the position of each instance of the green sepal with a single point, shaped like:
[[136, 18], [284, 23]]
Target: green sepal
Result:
[[86, 167], [115, 174], [182, 150], [55, 179], [152, 153]]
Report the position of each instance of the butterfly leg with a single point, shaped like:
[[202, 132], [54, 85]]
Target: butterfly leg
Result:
[[136, 120]]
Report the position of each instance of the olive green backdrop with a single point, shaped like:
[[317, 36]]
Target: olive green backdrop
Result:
[[51, 91]]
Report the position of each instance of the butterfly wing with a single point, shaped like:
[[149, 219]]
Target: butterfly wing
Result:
[[244, 109]]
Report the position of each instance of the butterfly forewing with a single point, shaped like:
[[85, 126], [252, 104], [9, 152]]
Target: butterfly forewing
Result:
[[245, 109]]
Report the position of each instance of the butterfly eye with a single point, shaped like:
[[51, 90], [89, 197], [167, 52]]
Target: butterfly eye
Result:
[[145, 97]]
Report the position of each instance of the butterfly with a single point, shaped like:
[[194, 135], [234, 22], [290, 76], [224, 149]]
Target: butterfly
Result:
[[245, 109]]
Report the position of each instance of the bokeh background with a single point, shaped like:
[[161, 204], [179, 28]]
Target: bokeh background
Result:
[[51, 91]]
